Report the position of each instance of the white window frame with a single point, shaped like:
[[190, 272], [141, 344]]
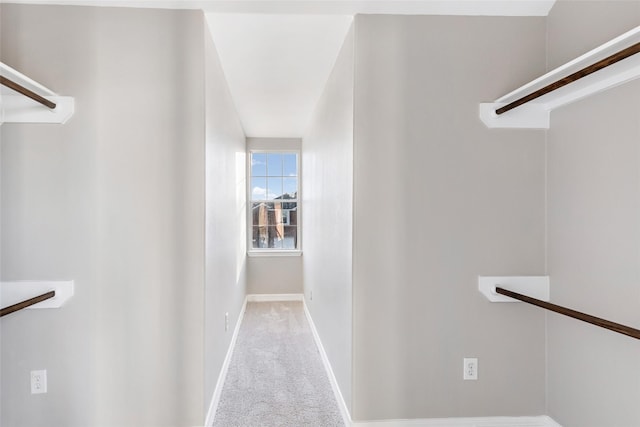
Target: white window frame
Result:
[[266, 252]]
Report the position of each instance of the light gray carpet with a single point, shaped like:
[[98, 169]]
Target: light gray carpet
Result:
[[276, 376]]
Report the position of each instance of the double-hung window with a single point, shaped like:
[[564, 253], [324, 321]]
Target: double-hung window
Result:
[[274, 209]]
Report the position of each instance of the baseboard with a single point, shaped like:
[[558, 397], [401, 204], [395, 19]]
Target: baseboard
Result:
[[538, 421], [217, 392], [344, 411], [274, 297]]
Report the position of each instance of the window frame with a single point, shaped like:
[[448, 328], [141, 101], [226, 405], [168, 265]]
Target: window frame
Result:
[[266, 252]]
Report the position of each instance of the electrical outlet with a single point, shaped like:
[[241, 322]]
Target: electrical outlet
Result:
[[226, 322], [470, 368], [39, 381]]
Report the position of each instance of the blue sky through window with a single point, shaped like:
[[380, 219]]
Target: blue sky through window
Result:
[[273, 175], [274, 164]]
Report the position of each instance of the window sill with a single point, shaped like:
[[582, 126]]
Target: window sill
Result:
[[273, 253]]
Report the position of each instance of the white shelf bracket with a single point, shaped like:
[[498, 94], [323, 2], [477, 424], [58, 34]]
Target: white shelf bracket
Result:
[[17, 108], [18, 291], [533, 286], [536, 113], [529, 116]]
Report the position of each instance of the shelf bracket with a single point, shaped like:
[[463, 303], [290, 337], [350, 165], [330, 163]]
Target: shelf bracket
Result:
[[15, 107], [533, 286], [14, 292], [607, 66], [530, 116]]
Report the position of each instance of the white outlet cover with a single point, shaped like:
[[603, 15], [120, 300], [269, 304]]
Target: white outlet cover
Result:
[[470, 368], [39, 382]]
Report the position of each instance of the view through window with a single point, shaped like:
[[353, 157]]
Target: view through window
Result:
[[274, 200]]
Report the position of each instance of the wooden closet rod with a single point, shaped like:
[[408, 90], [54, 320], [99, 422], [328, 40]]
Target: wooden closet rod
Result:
[[610, 60], [24, 304], [26, 92], [612, 326]]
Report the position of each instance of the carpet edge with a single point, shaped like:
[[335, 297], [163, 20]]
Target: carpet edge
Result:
[[217, 392]]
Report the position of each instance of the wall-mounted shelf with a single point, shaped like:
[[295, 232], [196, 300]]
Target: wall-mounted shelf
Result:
[[534, 290], [22, 100], [12, 293], [536, 286], [536, 113]]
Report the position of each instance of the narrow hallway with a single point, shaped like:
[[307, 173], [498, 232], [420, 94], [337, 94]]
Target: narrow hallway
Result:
[[276, 376]]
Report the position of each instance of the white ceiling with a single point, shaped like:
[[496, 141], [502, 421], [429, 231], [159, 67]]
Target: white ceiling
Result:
[[276, 66], [277, 55]]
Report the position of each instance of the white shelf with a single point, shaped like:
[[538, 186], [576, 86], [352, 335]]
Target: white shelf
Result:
[[17, 108], [15, 292], [536, 114], [533, 286]]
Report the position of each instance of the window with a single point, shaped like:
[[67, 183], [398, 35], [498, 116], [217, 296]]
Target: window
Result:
[[273, 194]]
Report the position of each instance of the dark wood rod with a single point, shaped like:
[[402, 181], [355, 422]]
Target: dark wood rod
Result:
[[610, 60], [26, 92], [24, 304], [612, 326]]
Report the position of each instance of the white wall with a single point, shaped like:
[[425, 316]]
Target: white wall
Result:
[[438, 200], [327, 155], [114, 199], [226, 275], [276, 274], [594, 229], [48, 190]]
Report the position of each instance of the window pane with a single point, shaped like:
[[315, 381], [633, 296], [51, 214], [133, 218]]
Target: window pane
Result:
[[260, 214], [258, 188], [259, 237], [285, 213], [275, 237], [274, 188], [290, 188], [290, 240], [258, 164], [267, 237], [290, 164], [275, 214], [293, 213], [274, 164], [274, 225]]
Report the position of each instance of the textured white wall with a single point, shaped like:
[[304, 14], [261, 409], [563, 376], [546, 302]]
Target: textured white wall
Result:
[[226, 275], [594, 229], [327, 154], [114, 199], [438, 200]]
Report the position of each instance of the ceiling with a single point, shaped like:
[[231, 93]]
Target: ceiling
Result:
[[276, 66], [277, 55]]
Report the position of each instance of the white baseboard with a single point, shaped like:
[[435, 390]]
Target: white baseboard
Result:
[[274, 297], [344, 411], [538, 421], [217, 392]]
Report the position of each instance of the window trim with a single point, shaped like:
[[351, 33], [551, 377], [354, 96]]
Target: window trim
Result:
[[266, 252]]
